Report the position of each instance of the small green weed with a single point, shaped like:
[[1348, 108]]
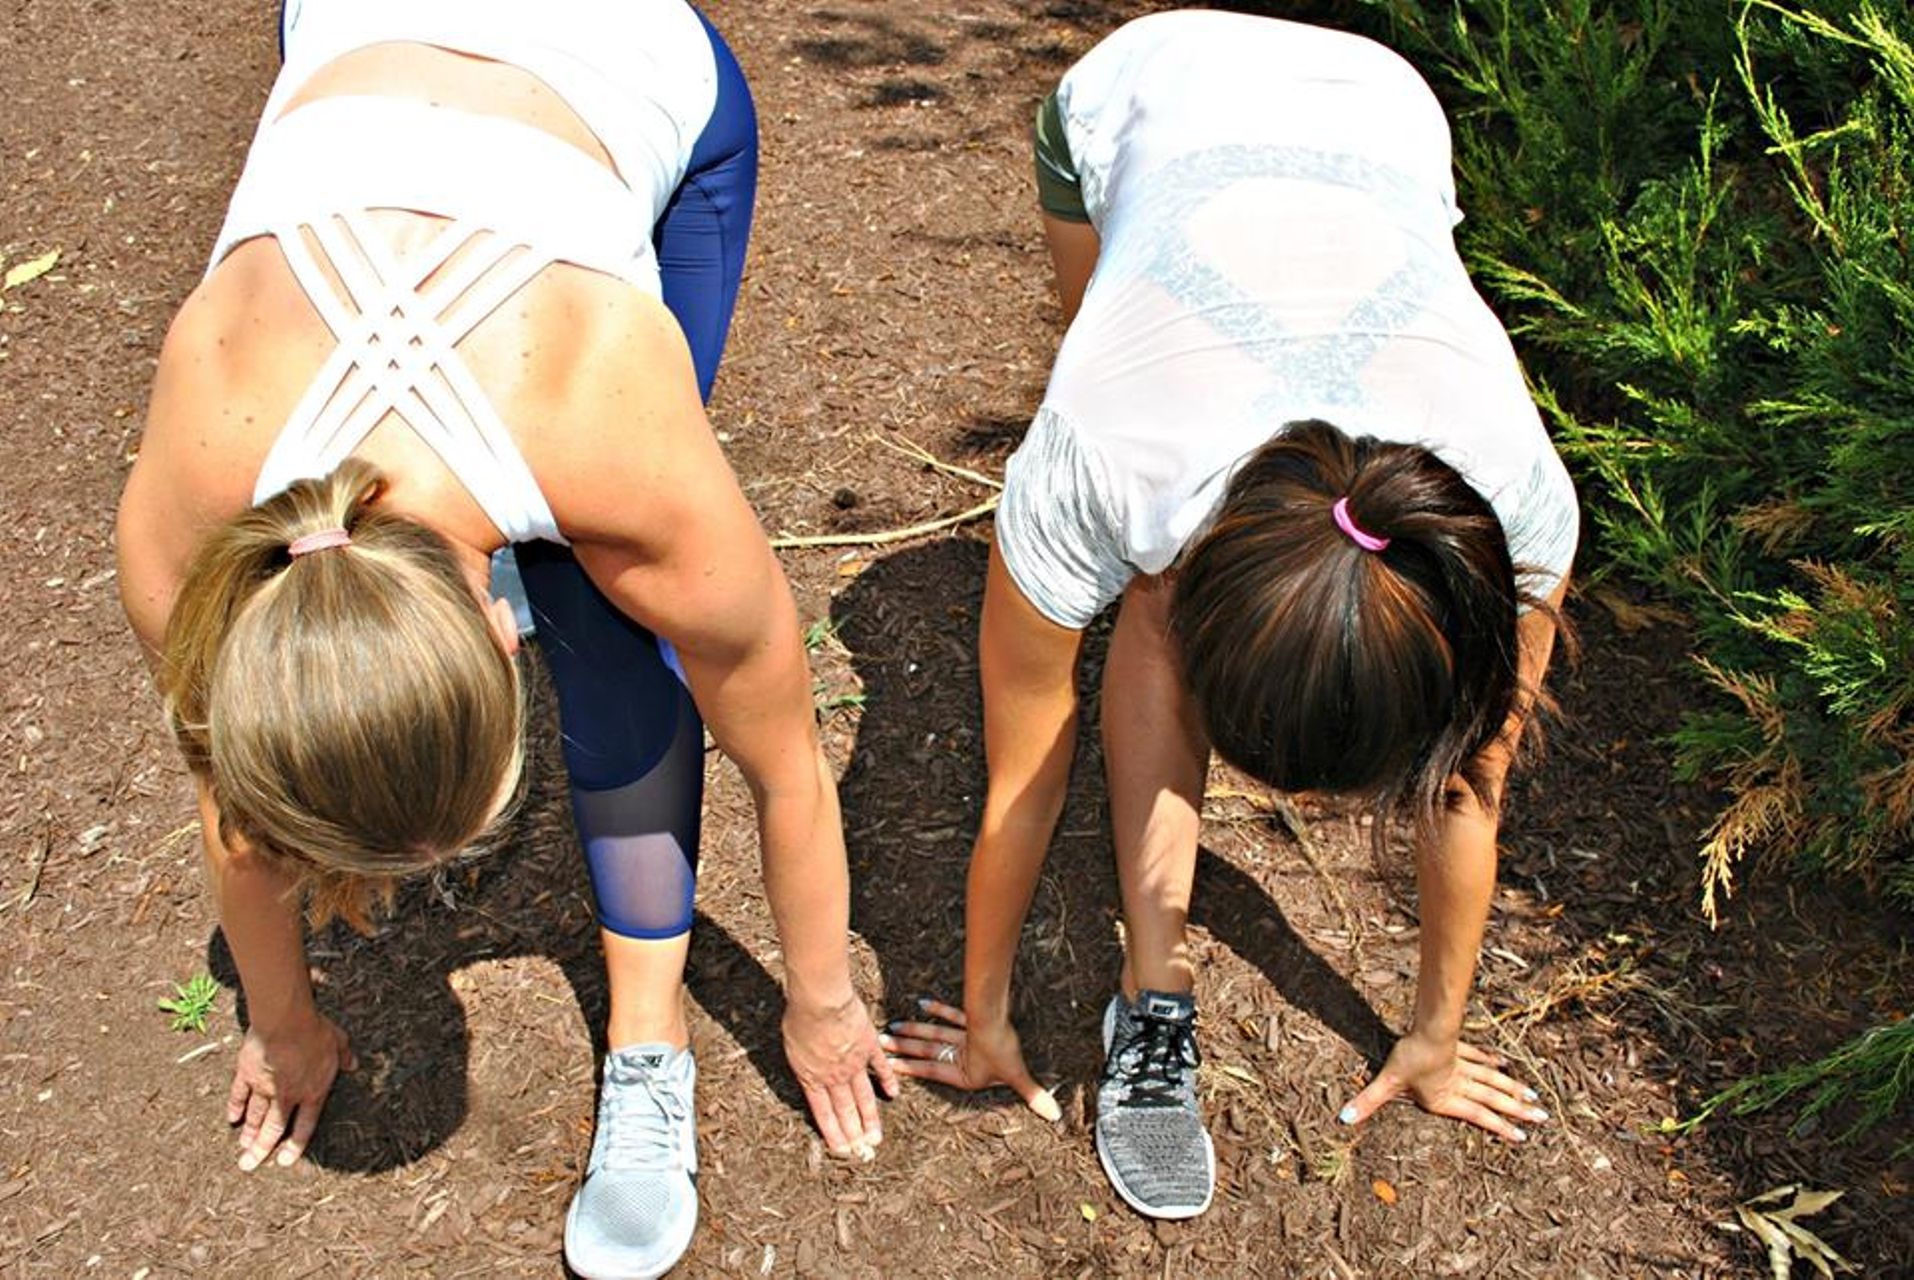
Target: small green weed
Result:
[[827, 702], [822, 637], [191, 1003], [822, 634]]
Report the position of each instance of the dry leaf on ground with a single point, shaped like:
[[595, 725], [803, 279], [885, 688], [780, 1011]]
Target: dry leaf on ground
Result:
[[22, 272], [1785, 1238]]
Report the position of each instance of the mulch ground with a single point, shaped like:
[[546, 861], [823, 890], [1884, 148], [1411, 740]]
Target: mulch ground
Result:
[[897, 291]]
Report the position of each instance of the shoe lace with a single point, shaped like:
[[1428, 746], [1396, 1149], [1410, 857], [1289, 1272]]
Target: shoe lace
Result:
[[643, 1119], [1151, 1063]]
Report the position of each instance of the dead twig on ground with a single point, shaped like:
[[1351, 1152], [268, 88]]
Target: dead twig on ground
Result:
[[918, 453], [888, 535], [37, 864], [1298, 828], [1577, 984]]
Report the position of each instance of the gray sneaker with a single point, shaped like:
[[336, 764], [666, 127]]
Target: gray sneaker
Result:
[[1150, 1138], [634, 1215]]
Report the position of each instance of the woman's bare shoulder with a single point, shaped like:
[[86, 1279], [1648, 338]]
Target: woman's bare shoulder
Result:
[[208, 417], [626, 433]]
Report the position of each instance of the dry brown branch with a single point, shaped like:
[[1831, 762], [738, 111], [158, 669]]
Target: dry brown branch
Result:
[[1298, 828], [918, 453], [1577, 984], [888, 535]]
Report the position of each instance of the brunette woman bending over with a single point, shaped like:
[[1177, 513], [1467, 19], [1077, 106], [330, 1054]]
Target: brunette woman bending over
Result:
[[1286, 436], [471, 291]]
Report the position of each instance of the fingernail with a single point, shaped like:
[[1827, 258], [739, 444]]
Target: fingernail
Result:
[[1521, 1135], [1046, 1106], [1348, 1114], [248, 1162], [923, 1002], [1538, 1115], [1531, 1095], [863, 1152], [286, 1158]]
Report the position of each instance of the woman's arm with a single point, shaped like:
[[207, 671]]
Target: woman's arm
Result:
[[727, 610], [663, 529], [1455, 878], [292, 1053], [1028, 665], [1029, 670]]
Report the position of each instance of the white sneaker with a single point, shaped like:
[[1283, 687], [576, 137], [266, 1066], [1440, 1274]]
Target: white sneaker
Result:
[[1149, 1132], [633, 1216]]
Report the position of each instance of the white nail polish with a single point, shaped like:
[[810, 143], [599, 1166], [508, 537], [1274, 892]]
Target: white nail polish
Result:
[[1347, 1115], [1531, 1096], [1521, 1135]]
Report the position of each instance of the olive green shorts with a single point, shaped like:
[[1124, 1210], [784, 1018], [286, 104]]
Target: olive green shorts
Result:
[[1059, 190]]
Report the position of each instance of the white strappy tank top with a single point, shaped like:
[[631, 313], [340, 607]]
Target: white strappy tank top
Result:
[[642, 77]]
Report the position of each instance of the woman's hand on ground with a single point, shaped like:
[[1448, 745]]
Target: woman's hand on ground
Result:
[[280, 1086], [834, 1052], [1449, 1078], [951, 1051]]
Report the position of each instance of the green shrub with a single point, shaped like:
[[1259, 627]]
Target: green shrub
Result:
[[1698, 221]]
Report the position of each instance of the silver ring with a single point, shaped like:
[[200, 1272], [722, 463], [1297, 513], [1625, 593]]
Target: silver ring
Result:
[[948, 1053]]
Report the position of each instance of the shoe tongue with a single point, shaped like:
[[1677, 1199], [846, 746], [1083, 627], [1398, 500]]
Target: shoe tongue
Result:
[[647, 1060], [1157, 1004]]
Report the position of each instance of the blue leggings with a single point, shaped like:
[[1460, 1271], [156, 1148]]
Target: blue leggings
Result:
[[634, 745]]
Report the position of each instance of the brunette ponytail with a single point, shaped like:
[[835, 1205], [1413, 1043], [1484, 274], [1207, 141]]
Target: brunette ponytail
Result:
[[1368, 650]]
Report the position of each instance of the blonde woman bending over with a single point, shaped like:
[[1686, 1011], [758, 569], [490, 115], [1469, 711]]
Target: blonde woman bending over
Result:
[[471, 291]]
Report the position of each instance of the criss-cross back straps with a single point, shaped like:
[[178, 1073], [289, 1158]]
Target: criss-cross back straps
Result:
[[397, 353]]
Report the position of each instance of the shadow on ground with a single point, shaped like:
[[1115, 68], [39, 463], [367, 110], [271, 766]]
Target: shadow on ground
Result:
[[914, 791]]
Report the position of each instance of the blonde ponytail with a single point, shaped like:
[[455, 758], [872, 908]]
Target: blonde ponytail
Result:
[[351, 707]]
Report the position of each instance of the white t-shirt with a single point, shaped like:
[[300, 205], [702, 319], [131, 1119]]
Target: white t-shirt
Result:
[[1274, 205]]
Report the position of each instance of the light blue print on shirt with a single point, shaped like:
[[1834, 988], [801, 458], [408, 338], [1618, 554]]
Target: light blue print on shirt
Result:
[[1318, 369]]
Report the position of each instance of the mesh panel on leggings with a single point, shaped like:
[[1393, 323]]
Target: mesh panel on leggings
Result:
[[641, 839]]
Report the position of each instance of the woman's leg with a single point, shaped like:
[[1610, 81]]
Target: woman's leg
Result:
[[702, 236], [634, 749], [1149, 1129], [1155, 758]]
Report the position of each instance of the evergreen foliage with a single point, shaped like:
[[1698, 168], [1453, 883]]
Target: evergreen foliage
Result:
[[1698, 221], [1875, 1070]]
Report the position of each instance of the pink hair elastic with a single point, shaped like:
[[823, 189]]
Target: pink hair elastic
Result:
[[1347, 523], [323, 540]]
